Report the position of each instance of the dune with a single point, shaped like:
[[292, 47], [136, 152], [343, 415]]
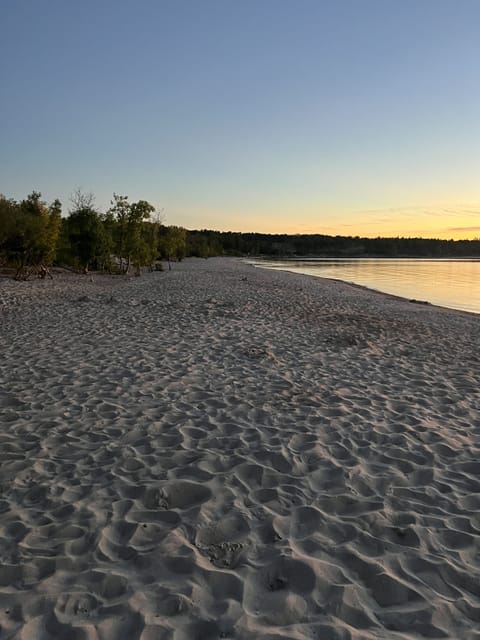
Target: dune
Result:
[[222, 451]]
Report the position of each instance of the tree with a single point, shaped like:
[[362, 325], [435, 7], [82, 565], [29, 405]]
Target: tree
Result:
[[54, 228], [134, 244], [173, 243], [8, 217], [86, 241], [30, 236], [139, 240], [149, 243], [119, 212], [82, 200]]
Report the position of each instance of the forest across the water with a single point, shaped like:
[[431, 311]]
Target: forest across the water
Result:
[[207, 242]]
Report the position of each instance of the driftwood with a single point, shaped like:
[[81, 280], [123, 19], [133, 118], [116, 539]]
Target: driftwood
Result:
[[41, 271]]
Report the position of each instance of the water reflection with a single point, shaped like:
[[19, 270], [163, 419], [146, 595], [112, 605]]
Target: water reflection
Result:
[[449, 283]]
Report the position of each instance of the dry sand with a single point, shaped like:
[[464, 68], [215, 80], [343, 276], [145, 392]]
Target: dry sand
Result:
[[226, 452]]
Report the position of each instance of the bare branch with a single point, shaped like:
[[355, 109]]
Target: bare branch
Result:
[[81, 200]]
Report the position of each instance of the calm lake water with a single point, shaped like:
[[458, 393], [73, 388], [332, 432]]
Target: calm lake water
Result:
[[449, 283]]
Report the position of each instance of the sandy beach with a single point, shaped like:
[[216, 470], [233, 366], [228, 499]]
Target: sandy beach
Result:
[[220, 451]]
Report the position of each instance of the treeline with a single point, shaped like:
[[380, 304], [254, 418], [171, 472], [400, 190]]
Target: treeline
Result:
[[129, 236], [34, 235], [205, 243]]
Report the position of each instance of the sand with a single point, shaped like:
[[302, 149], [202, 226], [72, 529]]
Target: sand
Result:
[[222, 451]]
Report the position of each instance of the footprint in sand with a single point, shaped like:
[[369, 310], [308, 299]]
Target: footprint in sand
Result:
[[222, 543]]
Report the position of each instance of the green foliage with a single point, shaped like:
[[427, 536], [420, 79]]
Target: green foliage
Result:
[[201, 245], [204, 243], [54, 228], [29, 233], [173, 243], [86, 242], [118, 213], [142, 239], [8, 216], [134, 236], [33, 234]]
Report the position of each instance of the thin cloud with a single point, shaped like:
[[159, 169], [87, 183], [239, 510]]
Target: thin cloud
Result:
[[460, 210], [391, 209], [477, 228]]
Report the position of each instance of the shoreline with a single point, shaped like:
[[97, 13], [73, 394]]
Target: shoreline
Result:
[[373, 290], [229, 451]]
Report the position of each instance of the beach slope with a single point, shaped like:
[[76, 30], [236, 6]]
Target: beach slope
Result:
[[221, 451]]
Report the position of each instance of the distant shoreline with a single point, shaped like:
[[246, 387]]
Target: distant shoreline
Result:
[[365, 257]]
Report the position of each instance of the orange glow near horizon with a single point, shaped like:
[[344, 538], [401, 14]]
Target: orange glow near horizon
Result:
[[446, 221]]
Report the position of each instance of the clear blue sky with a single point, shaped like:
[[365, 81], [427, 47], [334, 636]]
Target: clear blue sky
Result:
[[338, 116]]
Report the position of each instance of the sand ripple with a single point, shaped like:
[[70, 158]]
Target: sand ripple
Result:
[[224, 452]]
